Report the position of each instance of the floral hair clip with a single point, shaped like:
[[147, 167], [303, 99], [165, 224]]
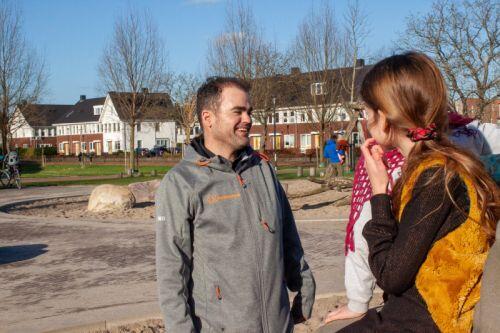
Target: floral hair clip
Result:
[[423, 134]]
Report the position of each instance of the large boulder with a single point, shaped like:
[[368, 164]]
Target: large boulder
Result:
[[110, 197], [144, 191]]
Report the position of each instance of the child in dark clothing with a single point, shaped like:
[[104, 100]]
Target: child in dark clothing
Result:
[[428, 241]]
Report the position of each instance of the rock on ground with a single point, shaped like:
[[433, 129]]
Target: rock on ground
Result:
[[110, 197], [144, 191]]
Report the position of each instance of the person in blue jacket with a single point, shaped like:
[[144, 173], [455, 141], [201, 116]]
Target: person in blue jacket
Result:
[[333, 158]]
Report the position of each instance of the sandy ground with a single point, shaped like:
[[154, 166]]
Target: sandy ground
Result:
[[319, 206], [324, 245]]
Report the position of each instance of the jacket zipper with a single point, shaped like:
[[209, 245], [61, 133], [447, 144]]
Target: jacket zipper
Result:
[[259, 255]]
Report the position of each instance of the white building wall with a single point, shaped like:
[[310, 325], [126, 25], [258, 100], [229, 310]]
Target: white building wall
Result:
[[113, 129], [117, 133]]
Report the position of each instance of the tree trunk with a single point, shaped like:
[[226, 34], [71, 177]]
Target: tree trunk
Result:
[[262, 147], [132, 146]]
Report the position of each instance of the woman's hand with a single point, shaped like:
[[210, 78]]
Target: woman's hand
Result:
[[375, 166]]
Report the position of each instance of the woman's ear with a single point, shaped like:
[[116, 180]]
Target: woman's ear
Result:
[[384, 124]]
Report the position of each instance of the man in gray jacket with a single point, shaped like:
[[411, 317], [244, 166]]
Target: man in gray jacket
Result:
[[227, 247]]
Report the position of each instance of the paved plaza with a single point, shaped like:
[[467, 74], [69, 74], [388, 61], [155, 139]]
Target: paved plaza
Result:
[[58, 273]]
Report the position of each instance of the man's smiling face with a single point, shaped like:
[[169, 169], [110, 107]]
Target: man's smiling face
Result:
[[232, 120]]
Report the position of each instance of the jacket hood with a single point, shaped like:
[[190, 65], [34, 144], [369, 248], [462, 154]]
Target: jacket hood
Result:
[[197, 153]]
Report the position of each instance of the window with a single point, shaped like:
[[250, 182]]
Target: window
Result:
[[196, 130], [305, 141], [255, 142], [84, 146], [289, 140], [285, 115], [270, 119], [139, 143], [317, 88], [138, 126], [61, 147], [157, 127], [25, 145], [119, 126], [97, 110], [276, 118], [114, 127], [117, 145], [355, 138], [162, 142], [303, 117], [92, 146]]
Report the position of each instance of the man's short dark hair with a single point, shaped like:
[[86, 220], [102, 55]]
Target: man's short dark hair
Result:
[[334, 137], [208, 95]]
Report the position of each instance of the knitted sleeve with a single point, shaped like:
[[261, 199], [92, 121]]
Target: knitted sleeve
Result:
[[397, 250]]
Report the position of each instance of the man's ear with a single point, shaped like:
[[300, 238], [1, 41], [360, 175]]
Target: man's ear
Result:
[[207, 117]]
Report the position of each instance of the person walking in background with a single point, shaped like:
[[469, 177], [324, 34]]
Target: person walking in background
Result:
[[332, 157], [227, 247], [429, 239]]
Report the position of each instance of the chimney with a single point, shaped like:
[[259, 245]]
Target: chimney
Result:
[[83, 97], [360, 62], [145, 90], [295, 70]]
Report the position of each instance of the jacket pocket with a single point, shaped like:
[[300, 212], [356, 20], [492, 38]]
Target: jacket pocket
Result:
[[214, 307]]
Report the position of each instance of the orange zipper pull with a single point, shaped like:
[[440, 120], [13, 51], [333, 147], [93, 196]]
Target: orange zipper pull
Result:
[[266, 226], [218, 293], [240, 179]]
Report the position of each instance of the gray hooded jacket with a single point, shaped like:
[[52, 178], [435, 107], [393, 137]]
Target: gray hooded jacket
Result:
[[227, 248]]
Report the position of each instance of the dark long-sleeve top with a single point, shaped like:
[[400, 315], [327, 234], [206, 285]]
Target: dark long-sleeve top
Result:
[[397, 250]]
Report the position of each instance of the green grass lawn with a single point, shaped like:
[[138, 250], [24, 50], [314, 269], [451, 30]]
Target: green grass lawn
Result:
[[117, 181], [55, 171], [33, 171]]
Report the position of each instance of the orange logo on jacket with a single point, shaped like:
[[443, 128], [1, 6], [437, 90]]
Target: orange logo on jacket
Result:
[[217, 198]]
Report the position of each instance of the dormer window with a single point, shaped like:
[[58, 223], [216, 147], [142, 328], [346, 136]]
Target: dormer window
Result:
[[317, 88], [97, 110]]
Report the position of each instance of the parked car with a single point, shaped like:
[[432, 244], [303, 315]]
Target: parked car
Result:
[[144, 152], [158, 150]]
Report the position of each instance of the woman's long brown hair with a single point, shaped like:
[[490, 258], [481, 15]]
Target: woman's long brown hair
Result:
[[409, 89]]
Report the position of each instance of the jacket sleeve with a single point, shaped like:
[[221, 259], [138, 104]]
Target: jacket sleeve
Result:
[[398, 250], [298, 275], [173, 254]]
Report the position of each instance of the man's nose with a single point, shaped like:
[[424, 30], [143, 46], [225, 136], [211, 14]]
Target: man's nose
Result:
[[245, 117]]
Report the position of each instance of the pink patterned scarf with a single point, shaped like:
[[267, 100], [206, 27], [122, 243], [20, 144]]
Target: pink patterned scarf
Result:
[[362, 191]]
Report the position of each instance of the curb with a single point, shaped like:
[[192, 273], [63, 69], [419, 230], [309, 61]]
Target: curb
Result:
[[104, 325]]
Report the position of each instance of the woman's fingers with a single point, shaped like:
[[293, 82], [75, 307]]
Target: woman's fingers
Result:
[[365, 148]]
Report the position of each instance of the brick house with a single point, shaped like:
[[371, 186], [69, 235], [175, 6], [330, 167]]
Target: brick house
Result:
[[95, 125], [491, 114], [33, 125], [289, 112], [79, 130]]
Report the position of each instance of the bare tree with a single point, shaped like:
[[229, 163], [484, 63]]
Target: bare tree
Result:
[[317, 49], [463, 38], [22, 75], [355, 34], [134, 62], [241, 51], [183, 94]]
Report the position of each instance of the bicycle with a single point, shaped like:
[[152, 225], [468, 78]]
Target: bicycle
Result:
[[10, 174]]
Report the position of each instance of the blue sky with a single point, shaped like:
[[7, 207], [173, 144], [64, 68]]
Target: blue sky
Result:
[[71, 34]]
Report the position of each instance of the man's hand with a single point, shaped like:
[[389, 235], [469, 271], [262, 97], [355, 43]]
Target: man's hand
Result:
[[375, 166]]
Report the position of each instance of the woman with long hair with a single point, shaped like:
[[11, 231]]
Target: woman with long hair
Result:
[[429, 239]]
